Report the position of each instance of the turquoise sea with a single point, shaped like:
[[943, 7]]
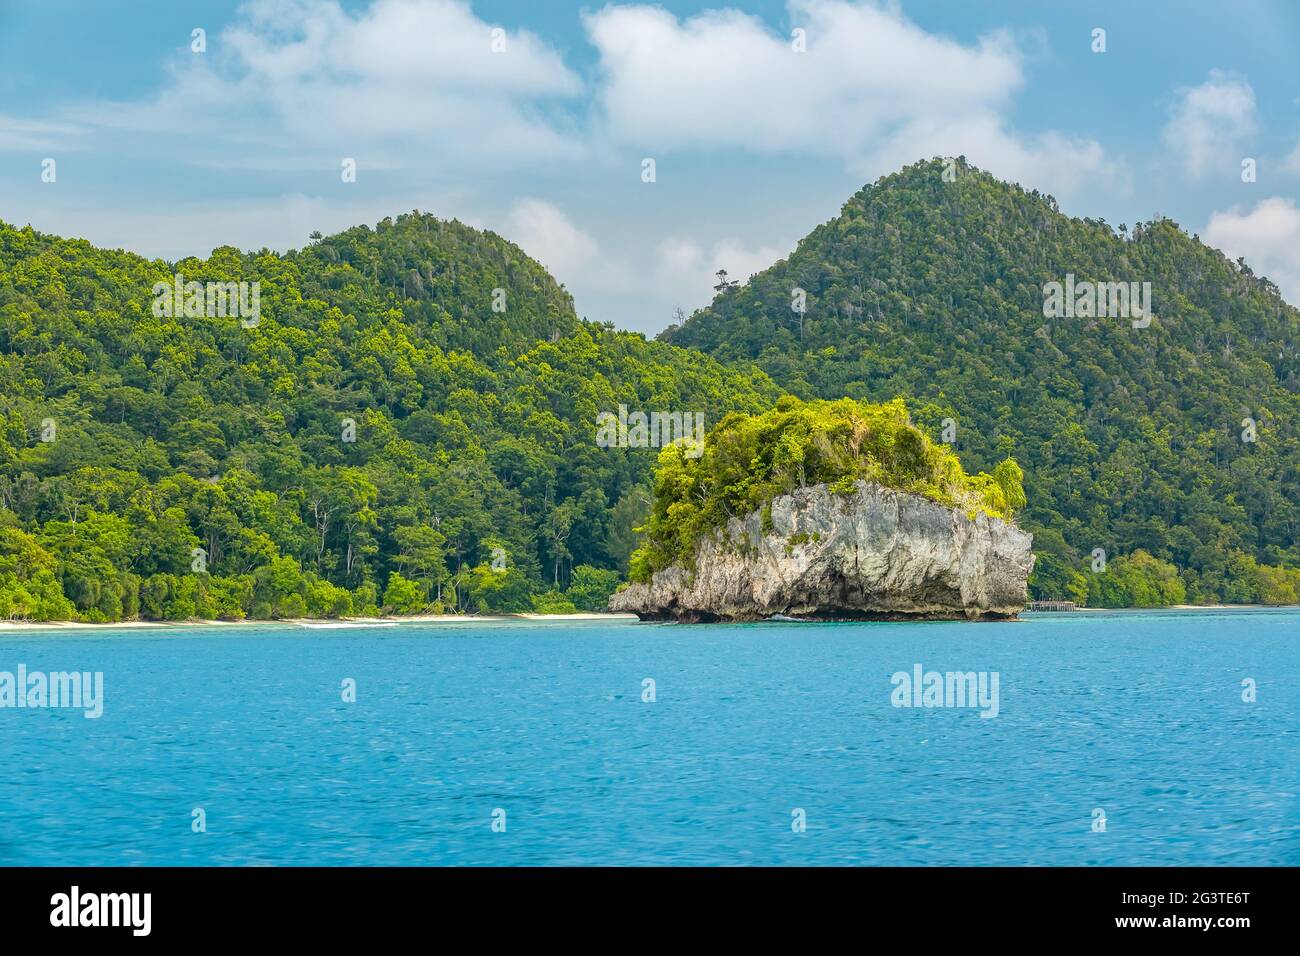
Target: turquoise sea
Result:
[[1137, 718]]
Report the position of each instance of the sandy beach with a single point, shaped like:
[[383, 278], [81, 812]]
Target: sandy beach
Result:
[[8, 627], [13, 627]]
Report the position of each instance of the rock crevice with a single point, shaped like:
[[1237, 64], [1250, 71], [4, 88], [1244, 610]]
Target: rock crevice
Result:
[[872, 554]]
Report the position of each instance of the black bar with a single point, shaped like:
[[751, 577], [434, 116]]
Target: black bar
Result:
[[210, 905]]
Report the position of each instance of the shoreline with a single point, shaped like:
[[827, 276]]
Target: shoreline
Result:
[[21, 627], [18, 627]]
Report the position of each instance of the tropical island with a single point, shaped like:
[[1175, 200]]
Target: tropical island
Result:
[[408, 422], [828, 510]]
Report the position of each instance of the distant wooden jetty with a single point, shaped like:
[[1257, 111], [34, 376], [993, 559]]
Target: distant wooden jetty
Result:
[[1052, 606]]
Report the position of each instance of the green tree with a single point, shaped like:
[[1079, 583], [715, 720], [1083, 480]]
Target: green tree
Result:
[[403, 596], [590, 588]]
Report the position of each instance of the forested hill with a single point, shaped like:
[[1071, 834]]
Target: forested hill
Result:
[[407, 422], [410, 418], [442, 275], [1175, 442]]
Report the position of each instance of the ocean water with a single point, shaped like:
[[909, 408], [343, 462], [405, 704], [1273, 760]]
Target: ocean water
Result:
[[1137, 716]]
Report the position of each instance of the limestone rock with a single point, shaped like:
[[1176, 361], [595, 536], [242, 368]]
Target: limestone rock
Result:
[[872, 554]]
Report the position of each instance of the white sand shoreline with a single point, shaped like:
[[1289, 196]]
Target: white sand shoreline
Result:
[[20, 627], [14, 627]]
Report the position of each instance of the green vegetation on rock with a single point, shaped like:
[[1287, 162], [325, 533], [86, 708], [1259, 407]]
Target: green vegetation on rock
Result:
[[748, 460]]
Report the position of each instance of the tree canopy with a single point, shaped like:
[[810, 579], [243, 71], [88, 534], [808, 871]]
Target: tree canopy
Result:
[[1179, 438], [409, 425], [410, 422]]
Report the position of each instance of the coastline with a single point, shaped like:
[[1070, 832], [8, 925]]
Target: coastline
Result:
[[20, 627], [23, 627]]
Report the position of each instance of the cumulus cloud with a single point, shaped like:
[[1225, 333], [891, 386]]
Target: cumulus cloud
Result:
[[678, 269], [640, 282], [1210, 123], [543, 231], [1052, 162], [398, 83], [688, 270], [176, 230], [725, 78], [871, 88], [1268, 237]]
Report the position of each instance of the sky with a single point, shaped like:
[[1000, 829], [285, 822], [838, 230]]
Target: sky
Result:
[[537, 119]]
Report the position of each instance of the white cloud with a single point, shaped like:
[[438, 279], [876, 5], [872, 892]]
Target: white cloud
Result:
[[680, 270], [1052, 162], [176, 230], [1268, 237], [543, 231], [1210, 123], [872, 88], [403, 82], [687, 271], [725, 78], [639, 282]]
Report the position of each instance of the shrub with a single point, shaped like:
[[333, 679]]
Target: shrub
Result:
[[553, 602], [507, 591], [403, 596], [590, 588]]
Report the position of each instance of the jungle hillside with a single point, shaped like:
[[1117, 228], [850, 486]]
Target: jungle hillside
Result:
[[407, 426], [408, 423]]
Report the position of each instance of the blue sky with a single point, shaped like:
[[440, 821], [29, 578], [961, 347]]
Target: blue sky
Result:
[[170, 152]]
